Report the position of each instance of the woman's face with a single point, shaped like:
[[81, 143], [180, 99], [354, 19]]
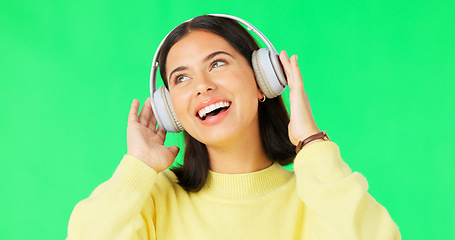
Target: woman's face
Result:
[[212, 89]]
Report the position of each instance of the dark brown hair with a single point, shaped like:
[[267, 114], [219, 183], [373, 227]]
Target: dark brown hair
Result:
[[272, 114]]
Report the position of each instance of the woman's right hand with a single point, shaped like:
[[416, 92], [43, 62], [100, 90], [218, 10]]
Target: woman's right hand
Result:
[[145, 141]]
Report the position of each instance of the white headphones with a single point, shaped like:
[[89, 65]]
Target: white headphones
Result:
[[266, 66]]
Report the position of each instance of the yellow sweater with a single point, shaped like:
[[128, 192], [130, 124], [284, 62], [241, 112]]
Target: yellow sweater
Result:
[[322, 199]]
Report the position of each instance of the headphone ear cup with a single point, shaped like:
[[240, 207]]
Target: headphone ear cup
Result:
[[164, 111], [266, 77]]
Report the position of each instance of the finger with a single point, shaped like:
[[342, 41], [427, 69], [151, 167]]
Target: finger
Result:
[[161, 133], [285, 62], [152, 121], [132, 116], [144, 116], [296, 73], [174, 150], [292, 70]]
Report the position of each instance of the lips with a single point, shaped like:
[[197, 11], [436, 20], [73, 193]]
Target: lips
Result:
[[213, 109], [209, 109]]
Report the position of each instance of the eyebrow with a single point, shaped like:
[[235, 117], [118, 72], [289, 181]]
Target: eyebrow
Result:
[[181, 68], [212, 55], [209, 57]]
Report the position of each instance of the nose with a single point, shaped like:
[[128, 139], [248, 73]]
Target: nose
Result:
[[204, 84]]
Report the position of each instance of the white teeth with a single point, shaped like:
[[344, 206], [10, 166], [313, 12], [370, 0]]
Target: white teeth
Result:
[[203, 112]]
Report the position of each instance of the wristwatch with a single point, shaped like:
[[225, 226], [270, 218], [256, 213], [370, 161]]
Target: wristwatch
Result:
[[321, 135]]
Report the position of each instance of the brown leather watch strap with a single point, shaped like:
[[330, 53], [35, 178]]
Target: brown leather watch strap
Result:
[[321, 135]]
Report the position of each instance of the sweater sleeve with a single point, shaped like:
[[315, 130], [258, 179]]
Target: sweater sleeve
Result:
[[339, 206], [120, 208]]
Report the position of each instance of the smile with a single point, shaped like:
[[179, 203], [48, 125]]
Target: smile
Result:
[[213, 109]]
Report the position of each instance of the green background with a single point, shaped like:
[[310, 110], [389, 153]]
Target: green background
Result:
[[379, 74]]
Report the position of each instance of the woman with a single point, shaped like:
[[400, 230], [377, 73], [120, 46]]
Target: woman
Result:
[[232, 184]]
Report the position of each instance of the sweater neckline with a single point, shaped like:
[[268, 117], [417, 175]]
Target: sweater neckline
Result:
[[246, 186]]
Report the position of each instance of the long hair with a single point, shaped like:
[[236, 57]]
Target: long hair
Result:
[[272, 114]]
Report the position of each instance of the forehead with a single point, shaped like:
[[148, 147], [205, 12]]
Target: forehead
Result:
[[194, 47]]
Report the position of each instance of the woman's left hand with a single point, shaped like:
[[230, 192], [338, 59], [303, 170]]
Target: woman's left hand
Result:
[[302, 123]]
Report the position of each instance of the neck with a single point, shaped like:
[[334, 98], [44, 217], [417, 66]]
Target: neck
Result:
[[243, 154], [246, 186]]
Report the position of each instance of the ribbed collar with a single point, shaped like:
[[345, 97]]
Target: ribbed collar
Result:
[[246, 185]]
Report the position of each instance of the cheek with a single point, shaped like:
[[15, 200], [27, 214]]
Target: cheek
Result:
[[247, 91], [180, 103], [248, 85]]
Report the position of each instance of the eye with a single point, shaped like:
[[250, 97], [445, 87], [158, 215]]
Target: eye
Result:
[[218, 63], [180, 78]]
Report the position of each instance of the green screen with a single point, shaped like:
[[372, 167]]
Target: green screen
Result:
[[379, 74]]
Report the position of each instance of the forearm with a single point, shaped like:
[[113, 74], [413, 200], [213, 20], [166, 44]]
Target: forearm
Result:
[[338, 201]]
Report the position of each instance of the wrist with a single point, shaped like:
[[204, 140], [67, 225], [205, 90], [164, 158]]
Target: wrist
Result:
[[318, 137], [144, 159], [307, 131]]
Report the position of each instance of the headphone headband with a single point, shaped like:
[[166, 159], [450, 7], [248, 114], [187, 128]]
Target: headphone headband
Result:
[[249, 26]]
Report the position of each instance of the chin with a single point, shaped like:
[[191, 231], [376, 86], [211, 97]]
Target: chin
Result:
[[218, 138], [226, 132]]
